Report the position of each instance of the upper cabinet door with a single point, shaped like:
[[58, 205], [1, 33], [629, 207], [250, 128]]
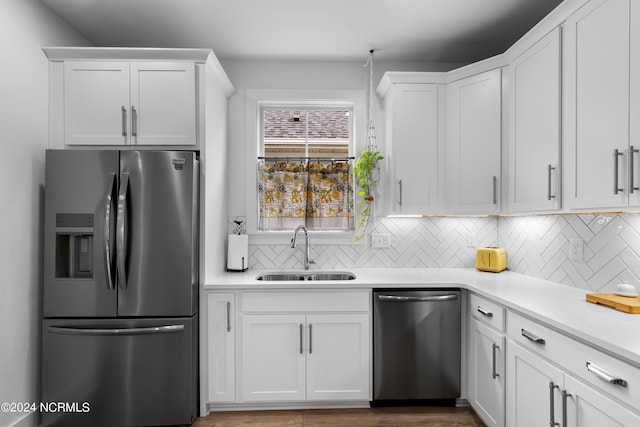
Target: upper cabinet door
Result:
[[534, 127], [474, 109], [96, 102], [634, 102], [596, 91], [163, 103], [413, 136]]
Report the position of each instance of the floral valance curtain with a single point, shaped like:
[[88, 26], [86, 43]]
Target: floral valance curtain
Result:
[[311, 192]]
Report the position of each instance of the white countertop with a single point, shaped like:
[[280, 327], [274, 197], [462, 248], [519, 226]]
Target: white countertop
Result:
[[559, 306]]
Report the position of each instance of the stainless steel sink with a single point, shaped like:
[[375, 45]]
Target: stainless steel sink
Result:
[[282, 276]]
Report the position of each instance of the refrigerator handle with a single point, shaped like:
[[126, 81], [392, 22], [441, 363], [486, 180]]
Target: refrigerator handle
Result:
[[108, 256], [62, 330], [121, 230]]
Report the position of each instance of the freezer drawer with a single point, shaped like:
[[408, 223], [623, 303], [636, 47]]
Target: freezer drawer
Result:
[[130, 372]]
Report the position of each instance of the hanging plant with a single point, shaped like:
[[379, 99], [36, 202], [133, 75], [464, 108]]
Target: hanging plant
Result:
[[367, 172], [367, 166]]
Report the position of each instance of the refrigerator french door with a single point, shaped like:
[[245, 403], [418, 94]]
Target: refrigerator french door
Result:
[[120, 298]]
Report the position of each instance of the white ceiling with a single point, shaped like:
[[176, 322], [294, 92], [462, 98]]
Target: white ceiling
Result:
[[398, 30]]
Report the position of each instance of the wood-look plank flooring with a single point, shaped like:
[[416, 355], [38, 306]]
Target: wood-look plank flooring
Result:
[[379, 417]]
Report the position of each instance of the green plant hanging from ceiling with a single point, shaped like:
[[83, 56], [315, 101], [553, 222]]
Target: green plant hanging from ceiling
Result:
[[367, 172], [367, 166]]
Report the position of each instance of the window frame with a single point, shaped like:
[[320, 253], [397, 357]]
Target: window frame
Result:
[[355, 100]]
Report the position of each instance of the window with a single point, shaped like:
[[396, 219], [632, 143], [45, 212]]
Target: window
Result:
[[304, 167]]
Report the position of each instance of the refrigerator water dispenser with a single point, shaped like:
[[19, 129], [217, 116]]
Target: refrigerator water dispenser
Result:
[[74, 246]]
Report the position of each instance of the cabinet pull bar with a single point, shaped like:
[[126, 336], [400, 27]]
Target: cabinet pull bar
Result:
[[310, 339], [549, 195], [228, 316], [605, 376], [400, 192], [552, 410], [494, 374], [485, 312], [495, 190], [564, 408], [134, 121], [301, 332], [616, 154], [532, 337], [124, 121], [632, 187]]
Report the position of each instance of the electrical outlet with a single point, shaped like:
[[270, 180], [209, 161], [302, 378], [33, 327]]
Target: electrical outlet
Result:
[[576, 249], [380, 240], [472, 240]]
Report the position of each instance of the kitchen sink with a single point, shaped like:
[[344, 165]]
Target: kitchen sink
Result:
[[281, 276]]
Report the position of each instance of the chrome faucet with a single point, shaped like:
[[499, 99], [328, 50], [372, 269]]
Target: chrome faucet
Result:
[[307, 260]]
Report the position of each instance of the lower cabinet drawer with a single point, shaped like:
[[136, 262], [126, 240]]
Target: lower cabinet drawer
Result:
[[486, 311], [604, 371]]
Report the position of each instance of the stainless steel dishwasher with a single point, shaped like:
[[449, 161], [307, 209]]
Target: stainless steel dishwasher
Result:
[[416, 340]]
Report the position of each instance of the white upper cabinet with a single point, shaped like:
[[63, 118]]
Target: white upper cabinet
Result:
[[137, 103], [534, 127], [163, 103], [474, 110], [96, 100], [412, 141], [599, 157]]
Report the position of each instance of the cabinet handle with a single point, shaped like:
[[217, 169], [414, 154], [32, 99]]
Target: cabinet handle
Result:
[[124, 121], [605, 376], [400, 192], [134, 121], [564, 408], [549, 195], [632, 187], [616, 165], [228, 316], [310, 339], [301, 332], [552, 410], [494, 374], [495, 190], [485, 312], [532, 337]]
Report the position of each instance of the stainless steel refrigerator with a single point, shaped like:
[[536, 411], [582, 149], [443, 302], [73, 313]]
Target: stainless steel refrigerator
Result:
[[120, 297]]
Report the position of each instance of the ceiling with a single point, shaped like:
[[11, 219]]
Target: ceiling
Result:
[[398, 30]]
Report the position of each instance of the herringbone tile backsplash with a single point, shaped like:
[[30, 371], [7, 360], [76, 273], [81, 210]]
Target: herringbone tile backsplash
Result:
[[539, 246], [415, 242], [536, 245]]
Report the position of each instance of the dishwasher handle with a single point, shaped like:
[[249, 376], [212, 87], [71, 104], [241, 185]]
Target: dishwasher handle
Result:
[[430, 298]]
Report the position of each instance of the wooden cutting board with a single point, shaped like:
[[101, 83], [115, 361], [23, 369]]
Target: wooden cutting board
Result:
[[626, 304]]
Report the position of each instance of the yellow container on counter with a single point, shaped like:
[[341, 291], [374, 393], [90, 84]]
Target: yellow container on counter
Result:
[[491, 259]]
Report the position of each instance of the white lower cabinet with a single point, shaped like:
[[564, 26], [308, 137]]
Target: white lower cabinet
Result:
[[542, 394], [281, 347], [485, 360], [555, 380], [295, 357], [221, 347], [486, 373], [273, 357]]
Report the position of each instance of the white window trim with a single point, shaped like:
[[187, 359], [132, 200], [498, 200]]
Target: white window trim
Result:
[[254, 98]]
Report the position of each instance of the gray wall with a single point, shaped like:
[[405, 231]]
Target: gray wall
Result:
[[25, 26]]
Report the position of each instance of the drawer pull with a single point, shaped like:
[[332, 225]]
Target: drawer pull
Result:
[[605, 376], [532, 337], [485, 312]]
